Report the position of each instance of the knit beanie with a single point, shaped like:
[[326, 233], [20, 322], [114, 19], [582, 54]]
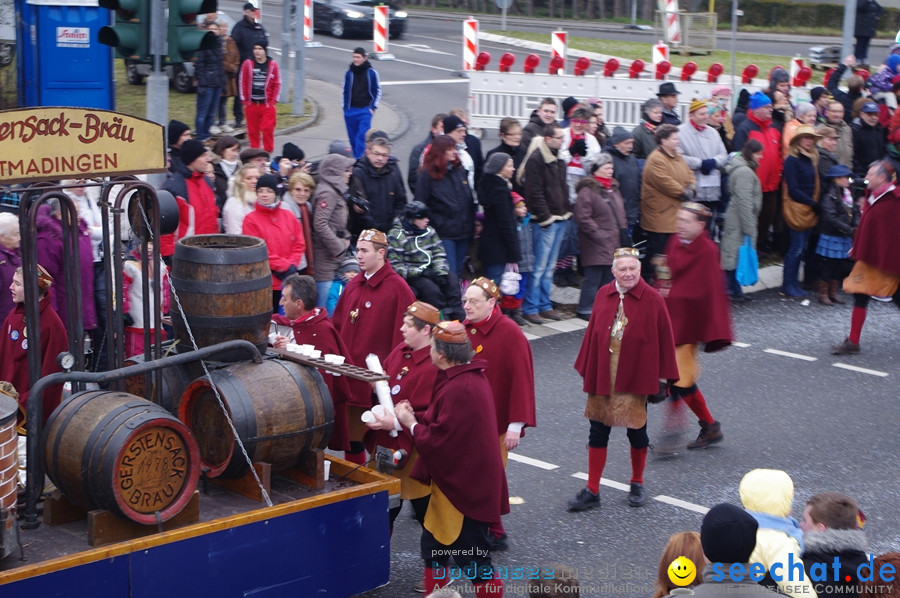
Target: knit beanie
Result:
[[619, 135], [191, 150], [697, 104], [292, 152], [893, 62], [758, 100], [568, 104], [269, 181], [451, 123], [496, 162], [728, 534], [176, 130]]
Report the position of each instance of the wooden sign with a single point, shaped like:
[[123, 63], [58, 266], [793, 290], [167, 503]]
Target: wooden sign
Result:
[[52, 143]]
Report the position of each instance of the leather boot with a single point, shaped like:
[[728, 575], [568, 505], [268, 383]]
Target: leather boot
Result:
[[833, 293], [823, 293], [710, 433]]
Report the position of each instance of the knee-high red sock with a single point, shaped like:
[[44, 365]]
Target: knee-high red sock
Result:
[[697, 403], [492, 588], [435, 579], [596, 463], [857, 319], [638, 462]]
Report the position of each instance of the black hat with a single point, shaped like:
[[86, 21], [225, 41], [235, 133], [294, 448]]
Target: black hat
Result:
[[262, 43], [496, 162], [379, 135], [568, 104], [667, 89], [340, 147], [292, 152], [360, 50], [451, 123], [249, 6], [176, 129], [619, 135], [728, 534], [269, 181], [415, 210], [818, 92], [253, 152], [191, 150]]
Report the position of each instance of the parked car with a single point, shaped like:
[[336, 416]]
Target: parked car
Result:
[[355, 18], [181, 74]]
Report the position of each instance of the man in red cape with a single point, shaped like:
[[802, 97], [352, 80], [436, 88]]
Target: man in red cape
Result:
[[500, 342], [456, 432], [627, 354], [368, 317], [310, 326], [699, 309], [876, 272]]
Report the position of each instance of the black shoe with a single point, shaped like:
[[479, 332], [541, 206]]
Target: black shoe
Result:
[[709, 434], [584, 500], [845, 348], [516, 315], [636, 496], [533, 319], [498, 543], [585, 317]]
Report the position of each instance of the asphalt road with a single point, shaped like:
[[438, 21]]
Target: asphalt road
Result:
[[830, 428]]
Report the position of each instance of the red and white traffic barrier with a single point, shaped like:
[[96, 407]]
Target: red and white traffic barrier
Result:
[[660, 53], [673, 28], [380, 38], [470, 43], [558, 47], [307, 21]]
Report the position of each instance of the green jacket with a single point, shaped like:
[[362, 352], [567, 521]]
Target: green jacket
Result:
[[411, 252]]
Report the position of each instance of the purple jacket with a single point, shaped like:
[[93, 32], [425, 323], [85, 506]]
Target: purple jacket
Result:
[[50, 256], [10, 259]]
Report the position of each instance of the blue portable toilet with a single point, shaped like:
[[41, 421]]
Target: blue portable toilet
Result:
[[61, 63]]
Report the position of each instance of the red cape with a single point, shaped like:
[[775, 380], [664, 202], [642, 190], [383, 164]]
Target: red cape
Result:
[[380, 303], [317, 330], [510, 368], [458, 447], [648, 348], [698, 305], [412, 378], [876, 241], [14, 352]]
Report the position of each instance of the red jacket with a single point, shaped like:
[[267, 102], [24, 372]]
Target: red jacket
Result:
[[772, 162], [273, 82], [283, 236]]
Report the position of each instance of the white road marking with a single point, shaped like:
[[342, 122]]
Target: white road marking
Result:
[[740, 345], [604, 482], [681, 503], [854, 368], [420, 48], [534, 462], [789, 354], [567, 325], [426, 82]]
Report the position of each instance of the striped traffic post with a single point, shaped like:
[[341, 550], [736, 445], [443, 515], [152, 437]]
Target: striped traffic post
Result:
[[308, 32], [379, 39], [470, 43], [673, 28], [558, 47]]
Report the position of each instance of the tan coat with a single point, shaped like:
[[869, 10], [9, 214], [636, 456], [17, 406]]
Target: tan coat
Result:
[[664, 181], [232, 61]]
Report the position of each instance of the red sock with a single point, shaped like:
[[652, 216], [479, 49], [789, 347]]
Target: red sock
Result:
[[697, 404], [857, 319], [435, 579], [492, 588], [596, 463], [358, 458], [638, 462]]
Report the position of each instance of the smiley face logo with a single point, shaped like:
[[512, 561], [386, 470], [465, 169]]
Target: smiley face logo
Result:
[[682, 571]]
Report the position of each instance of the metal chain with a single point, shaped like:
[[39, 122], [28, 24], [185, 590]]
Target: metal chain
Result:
[[206, 373]]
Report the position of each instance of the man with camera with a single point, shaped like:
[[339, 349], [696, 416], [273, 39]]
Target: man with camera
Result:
[[377, 193], [416, 253]]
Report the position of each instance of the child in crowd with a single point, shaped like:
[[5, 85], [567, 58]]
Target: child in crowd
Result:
[[831, 533], [348, 269], [133, 300], [511, 305], [768, 495], [686, 544], [838, 219]]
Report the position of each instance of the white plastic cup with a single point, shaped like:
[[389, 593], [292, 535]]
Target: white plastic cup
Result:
[[293, 347], [367, 417], [315, 354], [305, 349], [327, 469]]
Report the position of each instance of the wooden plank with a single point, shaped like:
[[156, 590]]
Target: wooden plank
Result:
[[58, 510], [247, 485], [105, 527], [310, 472]]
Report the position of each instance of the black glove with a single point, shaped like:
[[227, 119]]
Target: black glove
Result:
[[431, 275], [292, 269], [578, 148], [660, 395], [816, 207], [708, 165]]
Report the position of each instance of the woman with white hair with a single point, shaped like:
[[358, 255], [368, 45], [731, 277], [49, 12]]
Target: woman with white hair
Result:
[[10, 258], [241, 198], [806, 114], [599, 213]]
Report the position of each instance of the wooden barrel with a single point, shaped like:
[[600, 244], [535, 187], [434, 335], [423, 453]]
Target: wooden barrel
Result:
[[280, 410], [225, 287], [122, 453], [9, 461], [172, 381]]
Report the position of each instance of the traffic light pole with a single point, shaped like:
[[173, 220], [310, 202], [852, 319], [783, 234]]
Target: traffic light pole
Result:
[[298, 107], [157, 81]]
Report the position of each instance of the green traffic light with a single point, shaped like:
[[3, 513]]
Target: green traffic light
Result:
[[131, 33]]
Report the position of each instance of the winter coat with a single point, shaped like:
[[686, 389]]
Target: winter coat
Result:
[[415, 161], [868, 12], [836, 218], [644, 140], [526, 243], [600, 215], [281, 231], [245, 34], [627, 172], [234, 211], [412, 252], [711, 588], [221, 182], [662, 190], [330, 234], [385, 191], [695, 147], [10, 260], [231, 58], [769, 497], [771, 164], [450, 203], [844, 97], [742, 215], [868, 145], [546, 191], [209, 68], [849, 546], [273, 82], [499, 243], [518, 154], [374, 88], [534, 128], [826, 161], [473, 148], [801, 186], [844, 148]]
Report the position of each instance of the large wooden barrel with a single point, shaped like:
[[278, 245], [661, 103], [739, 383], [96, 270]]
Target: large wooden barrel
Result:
[[122, 453], [225, 287], [280, 410], [171, 381]]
